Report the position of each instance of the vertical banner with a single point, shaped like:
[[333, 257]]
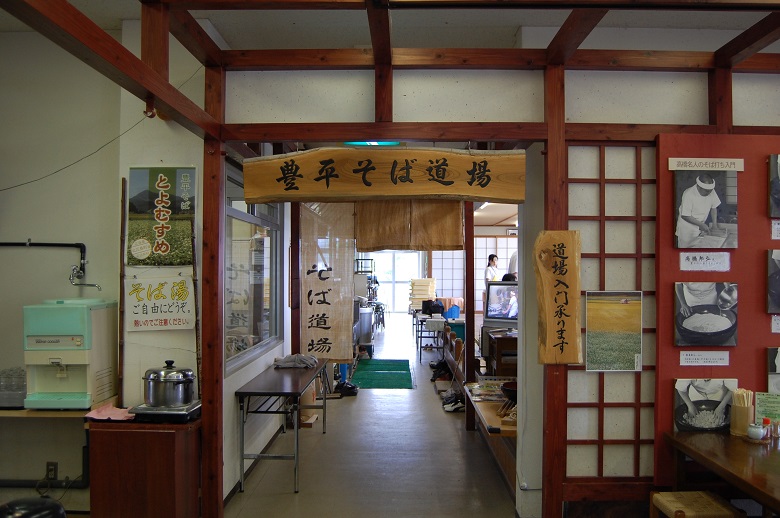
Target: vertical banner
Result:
[[557, 267], [327, 290], [160, 213]]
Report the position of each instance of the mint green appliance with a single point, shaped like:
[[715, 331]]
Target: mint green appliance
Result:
[[70, 353]]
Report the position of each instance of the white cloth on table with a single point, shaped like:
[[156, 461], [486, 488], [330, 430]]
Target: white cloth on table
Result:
[[296, 361]]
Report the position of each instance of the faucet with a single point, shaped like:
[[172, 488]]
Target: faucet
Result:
[[78, 273]]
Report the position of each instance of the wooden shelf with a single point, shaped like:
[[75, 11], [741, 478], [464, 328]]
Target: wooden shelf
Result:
[[28, 412], [502, 443], [67, 414], [486, 412]]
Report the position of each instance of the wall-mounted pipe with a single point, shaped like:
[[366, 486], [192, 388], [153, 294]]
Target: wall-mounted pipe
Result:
[[81, 246], [77, 272]]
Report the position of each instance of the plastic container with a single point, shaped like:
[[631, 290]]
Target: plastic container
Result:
[[13, 388], [453, 312]]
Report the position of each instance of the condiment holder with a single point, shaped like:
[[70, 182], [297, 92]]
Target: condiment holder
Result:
[[756, 431], [759, 433]]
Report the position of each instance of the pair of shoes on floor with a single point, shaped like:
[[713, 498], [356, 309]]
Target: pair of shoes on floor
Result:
[[456, 406], [451, 398], [441, 373], [438, 364], [346, 389]]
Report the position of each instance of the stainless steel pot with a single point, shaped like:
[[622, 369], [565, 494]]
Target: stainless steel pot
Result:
[[169, 386]]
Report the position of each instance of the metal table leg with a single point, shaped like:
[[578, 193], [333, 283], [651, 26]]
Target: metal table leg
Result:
[[296, 427], [241, 443]]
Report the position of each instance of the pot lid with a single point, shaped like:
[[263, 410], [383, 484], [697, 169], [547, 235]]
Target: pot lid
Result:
[[169, 373]]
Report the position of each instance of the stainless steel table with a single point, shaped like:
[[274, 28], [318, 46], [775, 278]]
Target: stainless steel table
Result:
[[278, 391]]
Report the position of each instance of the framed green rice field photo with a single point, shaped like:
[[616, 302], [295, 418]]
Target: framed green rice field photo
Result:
[[613, 330]]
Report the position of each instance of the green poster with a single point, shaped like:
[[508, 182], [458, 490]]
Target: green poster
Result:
[[160, 216]]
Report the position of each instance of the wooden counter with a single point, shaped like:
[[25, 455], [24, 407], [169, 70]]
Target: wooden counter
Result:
[[501, 439], [40, 414]]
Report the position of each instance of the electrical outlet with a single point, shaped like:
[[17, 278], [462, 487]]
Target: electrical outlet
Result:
[[51, 470]]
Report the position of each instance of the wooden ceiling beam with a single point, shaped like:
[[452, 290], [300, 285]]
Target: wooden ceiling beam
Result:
[[191, 35], [154, 37], [753, 40], [298, 59], [243, 5], [599, 132], [475, 59], [379, 28], [762, 63], [488, 59], [67, 27], [393, 131], [575, 29], [699, 5], [638, 60]]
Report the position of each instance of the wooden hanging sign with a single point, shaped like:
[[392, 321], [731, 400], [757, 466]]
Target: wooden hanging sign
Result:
[[349, 174], [557, 267]]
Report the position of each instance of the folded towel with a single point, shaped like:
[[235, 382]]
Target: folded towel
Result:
[[296, 361]]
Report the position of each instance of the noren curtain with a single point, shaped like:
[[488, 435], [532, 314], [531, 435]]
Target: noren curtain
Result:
[[422, 225]]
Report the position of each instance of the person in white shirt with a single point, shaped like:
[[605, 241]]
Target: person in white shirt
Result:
[[698, 202], [691, 294], [513, 264], [491, 272], [512, 312]]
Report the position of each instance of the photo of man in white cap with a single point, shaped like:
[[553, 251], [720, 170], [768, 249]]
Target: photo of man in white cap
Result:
[[699, 203]]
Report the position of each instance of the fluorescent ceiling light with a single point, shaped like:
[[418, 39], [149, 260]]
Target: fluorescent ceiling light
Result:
[[484, 204], [371, 143]]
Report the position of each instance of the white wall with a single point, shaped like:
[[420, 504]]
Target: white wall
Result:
[[155, 142], [57, 111]]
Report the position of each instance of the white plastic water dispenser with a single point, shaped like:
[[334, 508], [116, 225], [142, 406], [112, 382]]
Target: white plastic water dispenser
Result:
[[70, 351]]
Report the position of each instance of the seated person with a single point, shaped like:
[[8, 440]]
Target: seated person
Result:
[[509, 277]]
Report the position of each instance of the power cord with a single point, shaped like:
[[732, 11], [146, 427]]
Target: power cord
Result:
[[95, 151]]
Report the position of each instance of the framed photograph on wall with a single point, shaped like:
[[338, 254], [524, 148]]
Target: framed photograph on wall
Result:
[[705, 313], [773, 281], [703, 404], [706, 209], [613, 330], [773, 370], [774, 186]]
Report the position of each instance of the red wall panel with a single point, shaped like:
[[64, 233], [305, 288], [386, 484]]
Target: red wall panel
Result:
[[747, 361]]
